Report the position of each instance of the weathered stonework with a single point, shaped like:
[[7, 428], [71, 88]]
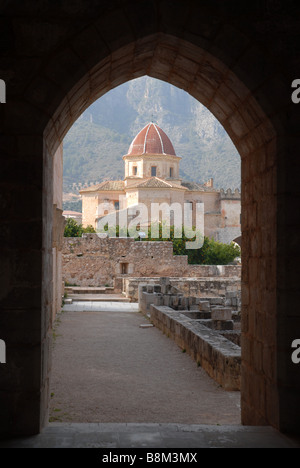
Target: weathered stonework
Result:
[[95, 261], [219, 357], [196, 286], [239, 60], [208, 336]]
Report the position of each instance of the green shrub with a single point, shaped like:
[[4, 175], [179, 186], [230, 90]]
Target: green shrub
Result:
[[73, 229], [211, 252]]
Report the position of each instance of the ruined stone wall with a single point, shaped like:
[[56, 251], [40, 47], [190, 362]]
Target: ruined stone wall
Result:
[[95, 261], [219, 357], [195, 286]]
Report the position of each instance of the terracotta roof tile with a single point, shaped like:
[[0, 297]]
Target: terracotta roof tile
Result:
[[151, 140], [155, 182], [109, 185]]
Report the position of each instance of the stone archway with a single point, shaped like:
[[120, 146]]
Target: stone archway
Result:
[[213, 54], [217, 87]]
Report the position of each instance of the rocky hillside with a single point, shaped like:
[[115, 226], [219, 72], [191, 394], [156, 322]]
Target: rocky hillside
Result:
[[94, 146]]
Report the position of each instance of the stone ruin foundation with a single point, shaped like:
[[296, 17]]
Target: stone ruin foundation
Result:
[[208, 328]]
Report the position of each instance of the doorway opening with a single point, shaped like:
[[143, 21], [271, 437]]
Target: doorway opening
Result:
[[93, 184], [239, 113]]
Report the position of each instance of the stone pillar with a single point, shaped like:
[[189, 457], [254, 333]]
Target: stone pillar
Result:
[[21, 260]]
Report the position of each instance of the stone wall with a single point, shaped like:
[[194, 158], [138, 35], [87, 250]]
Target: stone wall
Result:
[[219, 357], [196, 286], [204, 328], [95, 261], [239, 62]]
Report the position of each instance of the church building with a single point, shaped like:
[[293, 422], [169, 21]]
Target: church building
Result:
[[152, 176]]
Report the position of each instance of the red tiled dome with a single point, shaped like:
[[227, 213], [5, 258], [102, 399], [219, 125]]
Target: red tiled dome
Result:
[[151, 140]]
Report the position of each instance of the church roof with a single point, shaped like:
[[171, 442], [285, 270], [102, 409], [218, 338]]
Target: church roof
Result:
[[108, 185], [155, 182], [151, 140]]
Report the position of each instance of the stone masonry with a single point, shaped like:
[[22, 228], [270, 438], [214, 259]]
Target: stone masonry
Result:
[[204, 287], [207, 329], [99, 261], [237, 58]]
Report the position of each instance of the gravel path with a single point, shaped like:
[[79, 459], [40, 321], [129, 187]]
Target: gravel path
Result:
[[106, 368]]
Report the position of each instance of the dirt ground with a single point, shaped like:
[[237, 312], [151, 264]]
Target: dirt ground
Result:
[[106, 368]]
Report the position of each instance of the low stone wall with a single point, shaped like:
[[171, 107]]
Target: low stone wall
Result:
[[207, 328], [98, 261], [219, 357], [197, 287]]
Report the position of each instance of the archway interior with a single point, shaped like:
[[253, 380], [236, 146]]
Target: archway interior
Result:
[[56, 186], [217, 87]]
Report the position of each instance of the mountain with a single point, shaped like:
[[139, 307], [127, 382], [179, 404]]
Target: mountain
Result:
[[94, 146]]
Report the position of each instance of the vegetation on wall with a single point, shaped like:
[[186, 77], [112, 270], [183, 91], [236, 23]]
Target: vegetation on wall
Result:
[[210, 253]]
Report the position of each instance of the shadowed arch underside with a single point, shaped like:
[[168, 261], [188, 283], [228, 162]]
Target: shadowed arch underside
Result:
[[56, 61]]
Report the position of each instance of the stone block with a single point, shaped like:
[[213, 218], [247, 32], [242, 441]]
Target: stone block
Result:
[[221, 313], [222, 324], [230, 294], [196, 315], [204, 306], [158, 299], [192, 301], [167, 300], [216, 300], [165, 280], [68, 301]]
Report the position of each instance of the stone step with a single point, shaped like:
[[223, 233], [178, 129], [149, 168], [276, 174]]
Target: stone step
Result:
[[98, 297], [88, 290]]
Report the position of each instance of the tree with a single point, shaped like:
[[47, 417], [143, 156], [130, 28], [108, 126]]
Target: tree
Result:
[[73, 229], [211, 252], [221, 254]]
